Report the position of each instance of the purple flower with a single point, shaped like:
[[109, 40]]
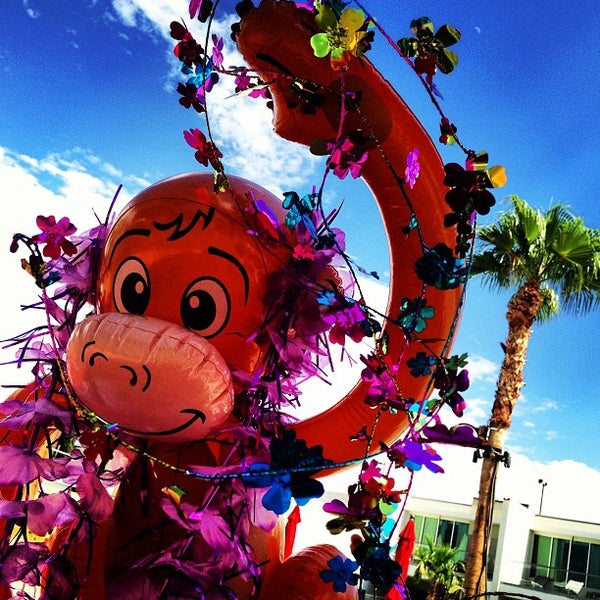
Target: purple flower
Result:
[[414, 455], [380, 374], [190, 97], [48, 512], [346, 321], [19, 466], [360, 509], [217, 53], [450, 382], [413, 168], [202, 8], [93, 497], [243, 83]]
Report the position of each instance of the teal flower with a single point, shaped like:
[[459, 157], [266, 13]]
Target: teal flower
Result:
[[413, 314]]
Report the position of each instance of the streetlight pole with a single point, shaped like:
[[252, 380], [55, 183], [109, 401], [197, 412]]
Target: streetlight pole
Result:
[[543, 484]]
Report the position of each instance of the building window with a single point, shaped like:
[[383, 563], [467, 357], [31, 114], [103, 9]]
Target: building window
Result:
[[563, 560], [443, 531]]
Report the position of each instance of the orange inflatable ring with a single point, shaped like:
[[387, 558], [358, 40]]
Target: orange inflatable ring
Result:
[[280, 59]]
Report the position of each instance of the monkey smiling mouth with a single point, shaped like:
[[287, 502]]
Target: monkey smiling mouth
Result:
[[196, 414]]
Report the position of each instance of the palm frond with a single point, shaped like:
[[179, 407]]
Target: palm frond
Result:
[[555, 249]]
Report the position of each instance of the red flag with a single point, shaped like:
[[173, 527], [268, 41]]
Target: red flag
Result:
[[404, 550], [290, 531]]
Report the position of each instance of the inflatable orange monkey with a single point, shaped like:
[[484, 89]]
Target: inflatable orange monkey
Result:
[[173, 386]]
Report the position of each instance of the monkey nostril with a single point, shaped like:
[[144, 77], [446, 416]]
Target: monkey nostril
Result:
[[134, 377], [93, 357], [148, 378]]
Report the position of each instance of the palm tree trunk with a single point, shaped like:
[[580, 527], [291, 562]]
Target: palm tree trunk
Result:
[[522, 311]]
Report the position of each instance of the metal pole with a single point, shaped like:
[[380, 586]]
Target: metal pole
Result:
[[543, 484]]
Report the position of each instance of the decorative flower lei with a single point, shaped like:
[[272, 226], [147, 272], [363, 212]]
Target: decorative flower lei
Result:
[[305, 314]]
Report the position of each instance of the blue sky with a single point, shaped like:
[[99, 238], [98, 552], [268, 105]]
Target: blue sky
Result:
[[88, 101]]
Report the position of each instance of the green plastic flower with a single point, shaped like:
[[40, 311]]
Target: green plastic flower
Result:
[[430, 50], [340, 38]]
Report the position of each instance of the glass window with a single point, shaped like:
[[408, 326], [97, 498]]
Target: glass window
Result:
[[419, 521], [559, 559], [460, 539], [442, 531], [429, 529], [578, 561], [594, 567], [444, 535], [563, 560], [540, 556]]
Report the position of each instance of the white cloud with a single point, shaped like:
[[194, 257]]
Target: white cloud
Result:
[[74, 184], [544, 405], [571, 493], [482, 369], [31, 12], [241, 126]]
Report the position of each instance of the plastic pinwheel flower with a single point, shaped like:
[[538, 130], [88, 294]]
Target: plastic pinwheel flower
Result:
[[347, 158], [438, 267], [430, 50], [413, 168], [340, 572], [206, 152], [413, 314], [54, 236], [341, 38], [469, 194], [421, 364], [289, 474]]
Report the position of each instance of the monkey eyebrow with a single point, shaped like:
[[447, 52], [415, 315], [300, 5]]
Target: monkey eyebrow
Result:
[[234, 261], [131, 232]]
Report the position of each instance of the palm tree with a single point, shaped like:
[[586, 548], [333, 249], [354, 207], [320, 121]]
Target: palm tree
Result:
[[440, 565], [552, 261]]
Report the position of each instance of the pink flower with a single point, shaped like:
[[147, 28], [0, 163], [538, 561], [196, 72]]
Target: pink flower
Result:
[[54, 235], [370, 471], [304, 252], [346, 322], [205, 151], [347, 157]]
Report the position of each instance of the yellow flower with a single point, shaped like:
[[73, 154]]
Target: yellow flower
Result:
[[340, 37]]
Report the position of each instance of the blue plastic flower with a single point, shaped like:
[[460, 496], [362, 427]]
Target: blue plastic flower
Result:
[[300, 210], [341, 572], [289, 474], [438, 267], [420, 364]]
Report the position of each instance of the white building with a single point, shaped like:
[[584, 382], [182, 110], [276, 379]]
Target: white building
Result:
[[546, 554], [529, 554]]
